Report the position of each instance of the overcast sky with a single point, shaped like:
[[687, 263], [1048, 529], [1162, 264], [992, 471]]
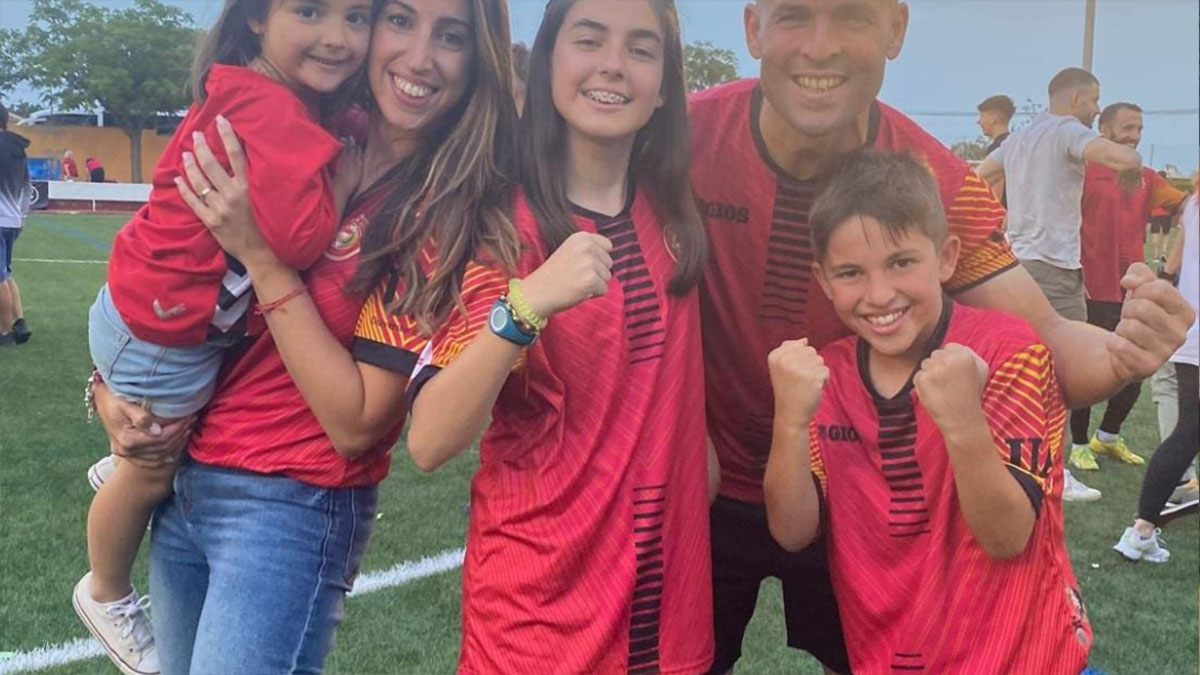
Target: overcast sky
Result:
[[958, 52]]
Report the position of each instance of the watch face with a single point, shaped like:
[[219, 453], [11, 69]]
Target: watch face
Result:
[[498, 318]]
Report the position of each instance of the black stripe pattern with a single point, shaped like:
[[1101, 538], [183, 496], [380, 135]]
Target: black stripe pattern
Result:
[[909, 514], [789, 253], [643, 311], [644, 622], [228, 324]]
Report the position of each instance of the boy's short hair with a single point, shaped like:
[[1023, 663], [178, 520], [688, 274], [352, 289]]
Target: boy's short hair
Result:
[[895, 189], [1000, 104], [3, 117]]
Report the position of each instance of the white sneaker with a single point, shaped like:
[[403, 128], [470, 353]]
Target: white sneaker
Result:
[[101, 471], [1134, 547], [121, 627], [1075, 491], [1187, 492], [1186, 496]]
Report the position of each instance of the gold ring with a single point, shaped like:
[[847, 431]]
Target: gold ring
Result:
[[205, 191]]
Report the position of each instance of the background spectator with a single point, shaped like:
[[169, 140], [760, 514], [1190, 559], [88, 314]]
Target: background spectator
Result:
[[70, 170], [95, 169], [15, 194]]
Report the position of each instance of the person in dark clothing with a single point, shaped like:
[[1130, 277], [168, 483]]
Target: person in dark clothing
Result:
[[16, 191], [995, 112], [95, 169]]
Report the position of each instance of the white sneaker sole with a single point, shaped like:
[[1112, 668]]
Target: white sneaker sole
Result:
[[108, 650], [1173, 508]]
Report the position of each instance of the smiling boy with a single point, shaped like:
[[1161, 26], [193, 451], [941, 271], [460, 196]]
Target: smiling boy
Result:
[[928, 446]]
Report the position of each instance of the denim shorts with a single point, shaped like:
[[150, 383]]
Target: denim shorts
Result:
[[8, 238], [170, 382]]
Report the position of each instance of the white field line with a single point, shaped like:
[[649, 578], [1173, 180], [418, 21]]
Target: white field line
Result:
[[402, 573], [81, 649], [49, 656], [62, 262]]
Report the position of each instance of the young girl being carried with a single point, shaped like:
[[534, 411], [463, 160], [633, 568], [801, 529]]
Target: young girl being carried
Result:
[[174, 300]]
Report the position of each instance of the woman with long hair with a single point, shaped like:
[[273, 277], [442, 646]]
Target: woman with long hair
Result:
[[277, 493]]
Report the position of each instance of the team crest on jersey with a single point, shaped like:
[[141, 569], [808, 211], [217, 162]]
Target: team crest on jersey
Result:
[[671, 241], [1078, 615], [346, 243]]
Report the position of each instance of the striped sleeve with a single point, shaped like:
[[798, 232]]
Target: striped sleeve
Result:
[[976, 217], [481, 286], [1025, 413], [816, 459], [385, 339], [1163, 195], [820, 478]]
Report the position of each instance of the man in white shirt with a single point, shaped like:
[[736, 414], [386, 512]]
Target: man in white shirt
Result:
[[1043, 169]]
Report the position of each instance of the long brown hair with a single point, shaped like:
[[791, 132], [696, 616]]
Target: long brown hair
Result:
[[454, 190], [230, 42], [661, 149]]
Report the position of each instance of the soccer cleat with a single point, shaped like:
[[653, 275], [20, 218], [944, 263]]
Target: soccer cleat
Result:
[[20, 331], [1075, 491], [122, 628], [1135, 547], [101, 471], [1116, 449], [1083, 459]]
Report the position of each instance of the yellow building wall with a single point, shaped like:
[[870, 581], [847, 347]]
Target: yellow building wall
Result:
[[109, 145]]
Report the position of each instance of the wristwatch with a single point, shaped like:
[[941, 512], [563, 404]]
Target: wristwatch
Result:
[[503, 322]]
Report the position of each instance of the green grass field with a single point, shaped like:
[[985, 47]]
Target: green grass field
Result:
[[1143, 615]]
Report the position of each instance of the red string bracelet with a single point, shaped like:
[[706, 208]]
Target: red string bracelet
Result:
[[264, 307]]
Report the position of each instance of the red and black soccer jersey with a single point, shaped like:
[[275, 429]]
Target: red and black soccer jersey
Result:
[[588, 550], [917, 592], [759, 290], [1113, 233], [396, 342], [169, 279], [259, 421]]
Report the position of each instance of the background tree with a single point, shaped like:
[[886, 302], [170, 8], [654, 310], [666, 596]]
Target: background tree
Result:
[[21, 108], [133, 63], [974, 150], [705, 65], [1025, 114]]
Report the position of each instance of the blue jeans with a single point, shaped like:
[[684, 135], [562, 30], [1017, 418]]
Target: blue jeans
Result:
[[248, 572], [8, 239]]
